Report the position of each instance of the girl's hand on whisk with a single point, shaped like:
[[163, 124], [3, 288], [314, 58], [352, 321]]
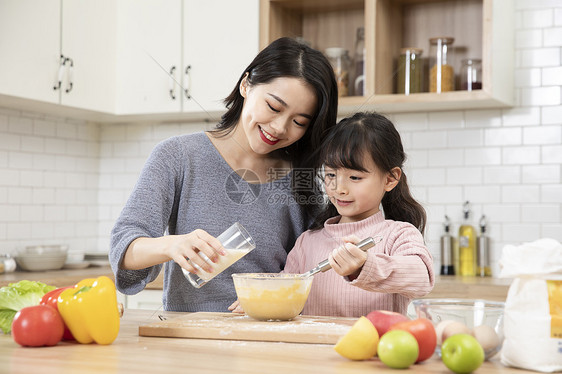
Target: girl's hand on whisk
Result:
[[348, 259]]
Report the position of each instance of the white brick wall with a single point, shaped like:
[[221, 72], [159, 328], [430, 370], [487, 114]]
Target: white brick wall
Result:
[[67, 181], [49, 173]]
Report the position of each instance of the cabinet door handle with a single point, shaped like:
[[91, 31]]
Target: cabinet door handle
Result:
[[172, 83], [60, 73], [70, 76], [188, 89]]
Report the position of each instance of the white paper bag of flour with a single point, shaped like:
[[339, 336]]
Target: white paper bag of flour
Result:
[[533, 308]]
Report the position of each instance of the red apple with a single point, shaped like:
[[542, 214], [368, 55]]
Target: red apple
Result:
[[383, 319], [424, 332]]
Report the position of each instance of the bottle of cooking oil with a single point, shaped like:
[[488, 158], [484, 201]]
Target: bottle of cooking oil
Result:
[[467, 244]]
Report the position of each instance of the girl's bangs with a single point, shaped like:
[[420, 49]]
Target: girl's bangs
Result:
[[346, 150]]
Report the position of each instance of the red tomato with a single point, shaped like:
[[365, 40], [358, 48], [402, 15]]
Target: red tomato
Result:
[[51, 299], [37, 326], [424, 332]]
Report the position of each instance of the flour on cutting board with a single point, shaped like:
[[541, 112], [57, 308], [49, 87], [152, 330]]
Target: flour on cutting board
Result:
[[228, 326], [248, 323]]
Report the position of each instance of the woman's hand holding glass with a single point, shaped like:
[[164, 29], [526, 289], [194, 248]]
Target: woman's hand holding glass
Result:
[[182, 248]]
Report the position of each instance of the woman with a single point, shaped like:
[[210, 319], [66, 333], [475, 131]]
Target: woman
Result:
[[255, 168]]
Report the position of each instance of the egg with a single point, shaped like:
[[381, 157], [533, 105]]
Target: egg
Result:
[[454, 328], [486, 336], [440, 328]]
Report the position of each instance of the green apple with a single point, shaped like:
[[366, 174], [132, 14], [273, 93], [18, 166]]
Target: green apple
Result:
[[398, 349], [462, 353]]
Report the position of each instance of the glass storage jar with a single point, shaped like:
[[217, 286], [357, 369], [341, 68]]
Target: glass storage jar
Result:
[[410, 71], [7, 263], [359, 62], [441, 71], [471, 74], [341, 63]]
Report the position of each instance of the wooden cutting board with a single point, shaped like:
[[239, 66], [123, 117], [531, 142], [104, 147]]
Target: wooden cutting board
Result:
[[231, 326]]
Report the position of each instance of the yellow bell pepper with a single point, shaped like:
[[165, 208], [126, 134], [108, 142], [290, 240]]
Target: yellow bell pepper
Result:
[[90, 310]]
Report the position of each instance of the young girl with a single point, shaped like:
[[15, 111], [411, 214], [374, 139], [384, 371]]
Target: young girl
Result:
[[363, 159], [195, 186]]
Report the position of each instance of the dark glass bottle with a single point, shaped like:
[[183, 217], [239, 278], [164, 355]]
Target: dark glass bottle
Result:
[[447, 261]]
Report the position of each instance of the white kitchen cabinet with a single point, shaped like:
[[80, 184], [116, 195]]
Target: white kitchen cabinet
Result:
[[182, 56], [220, 39], [33, 37], [29, 49], [125, 59], [88, 39], [149, 45], [146, 299]]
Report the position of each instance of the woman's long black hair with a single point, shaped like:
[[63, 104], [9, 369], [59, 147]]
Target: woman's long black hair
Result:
[[286, 57], [370, 133]]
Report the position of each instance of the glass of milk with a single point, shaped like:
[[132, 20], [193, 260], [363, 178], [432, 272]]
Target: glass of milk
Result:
[[236, 241]]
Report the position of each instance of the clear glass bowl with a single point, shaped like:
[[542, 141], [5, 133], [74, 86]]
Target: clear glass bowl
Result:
[[271, 296], [470, 312]]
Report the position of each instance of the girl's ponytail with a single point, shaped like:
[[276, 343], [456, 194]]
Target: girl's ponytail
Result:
[[399, 205]]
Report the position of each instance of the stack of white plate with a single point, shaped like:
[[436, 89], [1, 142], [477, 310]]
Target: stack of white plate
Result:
[[42, 257]]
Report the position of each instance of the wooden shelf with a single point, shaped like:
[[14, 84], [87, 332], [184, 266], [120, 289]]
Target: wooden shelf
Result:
[[421, 102], [481, 28]]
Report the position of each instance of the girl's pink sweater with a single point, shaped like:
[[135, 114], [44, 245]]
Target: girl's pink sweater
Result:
[[397, 269]]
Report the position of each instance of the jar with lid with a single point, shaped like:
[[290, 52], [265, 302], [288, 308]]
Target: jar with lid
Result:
[[7, 263], [359, 62], [341, 63], [441, 71], [471, 74], [410, 71]]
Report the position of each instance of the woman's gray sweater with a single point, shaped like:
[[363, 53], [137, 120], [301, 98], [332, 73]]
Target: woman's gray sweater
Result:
[[187, 185]]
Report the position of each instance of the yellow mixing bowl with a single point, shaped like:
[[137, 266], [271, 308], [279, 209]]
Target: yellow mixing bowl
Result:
[[271, 296]]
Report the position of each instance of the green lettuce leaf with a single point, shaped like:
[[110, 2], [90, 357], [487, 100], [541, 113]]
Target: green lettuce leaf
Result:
[[16, 296], [6, 318]]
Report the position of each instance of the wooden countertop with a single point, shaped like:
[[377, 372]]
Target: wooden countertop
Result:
[[445, 286], [132, 353], [470, 288], [57, 278]]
